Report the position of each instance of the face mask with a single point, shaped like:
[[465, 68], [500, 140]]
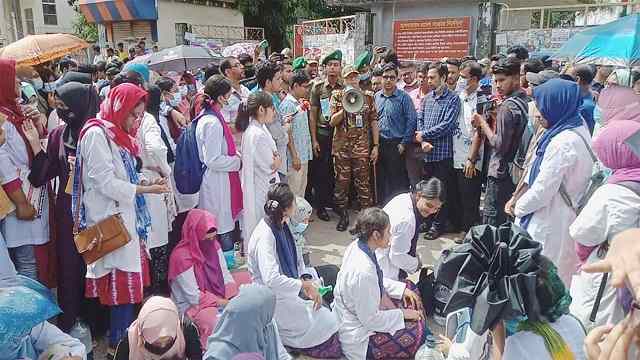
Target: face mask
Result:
[[37, 83], [183, 90], [176, 100], [462, 83], [191, 88], [365, 77], [50, 87], [298, 228]]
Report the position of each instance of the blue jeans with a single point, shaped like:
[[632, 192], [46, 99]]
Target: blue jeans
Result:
[[24, 259], [121, 317]]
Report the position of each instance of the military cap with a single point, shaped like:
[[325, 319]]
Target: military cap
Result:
[[348, 70], [363, 60], [299, 63], [336, 55]]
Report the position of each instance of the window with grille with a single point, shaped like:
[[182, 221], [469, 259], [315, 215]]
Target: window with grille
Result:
[[49, 12], [28, 20]]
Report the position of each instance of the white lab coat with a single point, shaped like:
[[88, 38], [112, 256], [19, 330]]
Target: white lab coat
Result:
[[610, 210], [256, 175], [523, 344], [567, 161], [185, 291], [299, 325], [105, 181], [154, 164], [357, 303], [215, 192], [14, 164], [403, 225]]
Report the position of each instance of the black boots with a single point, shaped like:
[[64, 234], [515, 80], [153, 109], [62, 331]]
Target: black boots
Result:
[[323, 214], [343, 223]]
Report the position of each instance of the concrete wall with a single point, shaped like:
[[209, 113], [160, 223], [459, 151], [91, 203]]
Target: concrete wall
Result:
[[66, 17], [386, 13], [170, 13]]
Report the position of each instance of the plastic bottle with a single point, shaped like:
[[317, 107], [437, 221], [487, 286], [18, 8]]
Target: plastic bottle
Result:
[[81, 331]]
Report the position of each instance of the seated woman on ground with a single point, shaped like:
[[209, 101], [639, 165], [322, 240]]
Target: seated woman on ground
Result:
[[159, 333], [198, 275], [372, 325], [303, 322]]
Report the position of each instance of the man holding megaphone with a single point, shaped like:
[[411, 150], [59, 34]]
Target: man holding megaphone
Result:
[[353, 117]]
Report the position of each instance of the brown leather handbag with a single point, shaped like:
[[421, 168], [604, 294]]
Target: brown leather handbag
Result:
[[102, 238]]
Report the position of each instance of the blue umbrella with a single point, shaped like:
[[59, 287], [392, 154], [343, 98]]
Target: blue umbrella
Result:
[[616, 43]]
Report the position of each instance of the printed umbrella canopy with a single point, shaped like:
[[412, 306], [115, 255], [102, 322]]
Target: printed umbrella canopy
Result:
[[37, 49]]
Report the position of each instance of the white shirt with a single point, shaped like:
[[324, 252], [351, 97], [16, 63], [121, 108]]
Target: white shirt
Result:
[[106, 182], [611, 209], [403, 226], [154, 165], [14, 164], [257, 151], [566, 161], [463, 136], [215, 192], [299, 325], [230, 111], [357, 303], [523, 344]]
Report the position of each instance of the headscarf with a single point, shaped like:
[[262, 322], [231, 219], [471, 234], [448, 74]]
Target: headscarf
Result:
[[189, 253], [141, 69], [8, 103], [620, 77], [619, 103], [114, 112], [75, 76], [24, 303], [158, 318], [82, 100], [246, 326], [614, 152], [559, 103]]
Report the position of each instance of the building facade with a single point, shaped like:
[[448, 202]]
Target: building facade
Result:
[[19, 18]]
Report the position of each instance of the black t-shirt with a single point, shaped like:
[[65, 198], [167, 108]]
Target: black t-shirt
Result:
[[511, 121]]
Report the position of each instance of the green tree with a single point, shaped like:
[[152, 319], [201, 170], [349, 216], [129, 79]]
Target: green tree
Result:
[[278, 16], [81, 27]]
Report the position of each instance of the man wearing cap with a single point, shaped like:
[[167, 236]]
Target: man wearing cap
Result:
[[321, 133], [312, 68], [351, 147], [364, 70], [299, 63]]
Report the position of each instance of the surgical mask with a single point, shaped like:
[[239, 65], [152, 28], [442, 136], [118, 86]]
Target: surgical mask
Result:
[[176, 100], [191, 88], [50, 87], [37, 83], [298, 228], [462, 83], [365, 77], [184, 90]]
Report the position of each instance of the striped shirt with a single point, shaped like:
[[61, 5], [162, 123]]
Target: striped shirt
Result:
[[438, 120], [396, 116]]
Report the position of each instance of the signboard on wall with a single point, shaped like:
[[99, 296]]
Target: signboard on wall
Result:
[[319, 46], [431, 39]]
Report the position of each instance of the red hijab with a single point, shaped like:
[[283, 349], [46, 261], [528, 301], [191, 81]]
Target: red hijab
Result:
[[189, 253], [8, 104], [114, 112]]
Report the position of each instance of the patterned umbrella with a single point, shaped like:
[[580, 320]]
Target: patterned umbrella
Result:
[[37, 49]]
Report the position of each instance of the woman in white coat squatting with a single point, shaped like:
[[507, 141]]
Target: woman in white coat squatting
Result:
[[303, 322], [561, 164], [220, 193], [361, 300], [260, 157]]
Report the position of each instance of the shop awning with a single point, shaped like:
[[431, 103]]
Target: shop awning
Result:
[[101, 11]]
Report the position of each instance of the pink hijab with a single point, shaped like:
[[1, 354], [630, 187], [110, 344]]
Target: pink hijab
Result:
[[189, 253], [619, 103], [611, 147], [158, 318]]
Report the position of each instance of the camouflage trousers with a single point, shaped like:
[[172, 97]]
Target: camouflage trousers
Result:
[[348, 168]]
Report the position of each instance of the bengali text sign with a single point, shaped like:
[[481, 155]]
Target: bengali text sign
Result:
[[431, 39]]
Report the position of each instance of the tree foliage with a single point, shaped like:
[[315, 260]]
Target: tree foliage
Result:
[[81, 27], [277, 16]]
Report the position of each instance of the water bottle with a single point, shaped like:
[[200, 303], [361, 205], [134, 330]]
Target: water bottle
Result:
[[81, 331], [230, 259]]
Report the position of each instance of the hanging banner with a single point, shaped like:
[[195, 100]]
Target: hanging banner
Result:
[[431, 39], [298, 34]]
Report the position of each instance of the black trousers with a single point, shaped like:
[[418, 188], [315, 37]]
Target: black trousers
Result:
[[443, 170], [499, 191], [465, 200], [391, 171], [321, 174]]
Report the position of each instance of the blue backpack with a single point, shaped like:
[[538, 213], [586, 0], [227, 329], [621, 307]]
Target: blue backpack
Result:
[[188, 169]]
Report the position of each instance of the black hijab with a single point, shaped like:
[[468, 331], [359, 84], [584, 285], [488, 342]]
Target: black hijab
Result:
[[154, 99], [75, 76], [82, 101]]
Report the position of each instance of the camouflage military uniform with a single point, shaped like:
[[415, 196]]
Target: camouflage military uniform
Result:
[[351, 148]]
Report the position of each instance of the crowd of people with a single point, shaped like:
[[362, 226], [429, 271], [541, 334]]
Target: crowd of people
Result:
[[139, 196]]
